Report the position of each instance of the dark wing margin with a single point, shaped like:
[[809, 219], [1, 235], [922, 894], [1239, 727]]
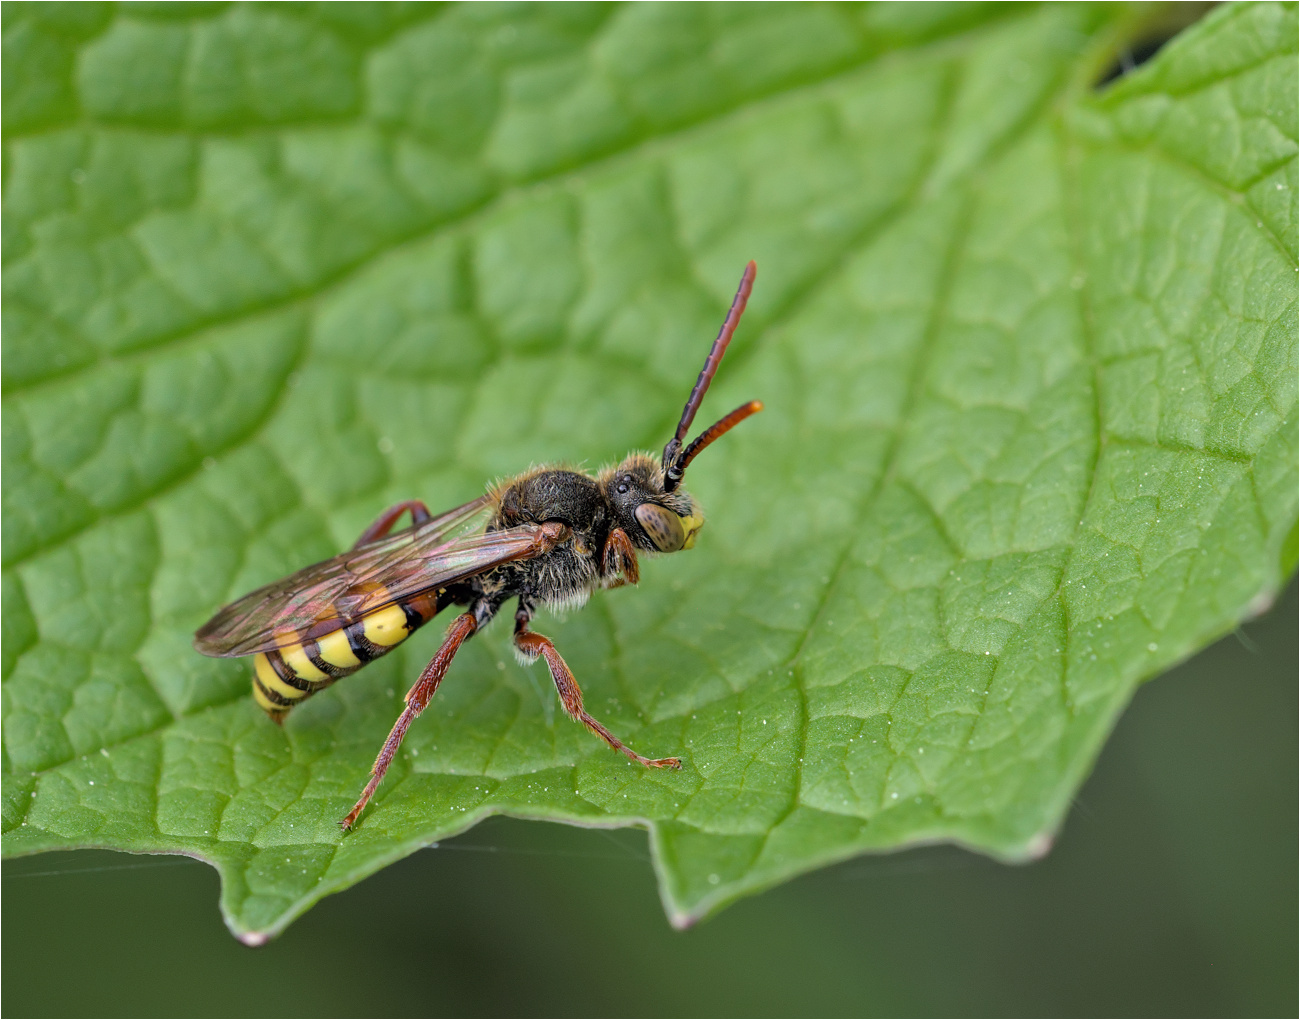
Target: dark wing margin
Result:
[[336, 592]]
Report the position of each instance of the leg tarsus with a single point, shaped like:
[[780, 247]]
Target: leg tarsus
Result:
[[534, 644], [417, 698], [385, 521]]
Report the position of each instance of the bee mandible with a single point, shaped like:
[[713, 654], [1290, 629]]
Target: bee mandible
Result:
[[549, 537]]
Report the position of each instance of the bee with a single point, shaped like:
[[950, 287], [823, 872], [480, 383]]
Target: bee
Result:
[[549, 537]]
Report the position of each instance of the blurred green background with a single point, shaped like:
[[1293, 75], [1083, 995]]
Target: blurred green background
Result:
[[1171, 890]]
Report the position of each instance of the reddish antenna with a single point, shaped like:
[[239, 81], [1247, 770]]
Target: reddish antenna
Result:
[[675, 459]]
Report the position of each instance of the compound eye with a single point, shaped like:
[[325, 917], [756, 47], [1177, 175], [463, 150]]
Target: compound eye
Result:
[[663, 526]]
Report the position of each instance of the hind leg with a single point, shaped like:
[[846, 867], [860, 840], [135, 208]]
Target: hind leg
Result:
[[460, 631], [384, 523]]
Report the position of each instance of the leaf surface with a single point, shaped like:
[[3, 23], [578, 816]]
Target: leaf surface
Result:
[[1028, 353]]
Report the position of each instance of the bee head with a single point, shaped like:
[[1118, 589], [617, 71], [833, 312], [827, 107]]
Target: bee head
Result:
[[655, 519]]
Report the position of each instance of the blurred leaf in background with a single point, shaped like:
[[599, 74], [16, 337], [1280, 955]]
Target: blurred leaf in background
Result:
[[1029, 355]]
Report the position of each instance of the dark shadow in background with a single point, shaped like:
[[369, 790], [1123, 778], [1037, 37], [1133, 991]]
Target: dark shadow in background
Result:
[[1166, 21], [1172, 890]]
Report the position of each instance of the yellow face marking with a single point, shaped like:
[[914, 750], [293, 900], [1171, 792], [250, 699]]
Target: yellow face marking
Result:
[[271, 680], [296, 659], [335, 650], [692, 525], [386, 627]]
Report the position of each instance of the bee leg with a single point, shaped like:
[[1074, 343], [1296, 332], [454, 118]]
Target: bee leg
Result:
[[619, 558], [384, 523], [531, 644], [461, 629]]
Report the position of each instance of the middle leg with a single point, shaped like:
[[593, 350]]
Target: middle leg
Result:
[[532, 644]]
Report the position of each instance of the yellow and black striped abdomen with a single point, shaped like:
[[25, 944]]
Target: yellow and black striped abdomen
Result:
[[287, 675]]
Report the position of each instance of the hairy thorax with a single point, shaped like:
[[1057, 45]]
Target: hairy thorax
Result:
[[565, 577]]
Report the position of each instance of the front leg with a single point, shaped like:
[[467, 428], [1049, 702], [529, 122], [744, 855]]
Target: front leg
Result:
[[618, 564], [530, 645]]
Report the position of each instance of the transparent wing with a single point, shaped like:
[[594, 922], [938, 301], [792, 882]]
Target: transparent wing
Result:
[[338, 591]]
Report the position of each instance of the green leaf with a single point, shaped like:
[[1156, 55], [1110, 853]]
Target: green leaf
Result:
[[1028, 353]]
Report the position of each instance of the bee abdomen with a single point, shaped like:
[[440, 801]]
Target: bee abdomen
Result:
[[287, 675]]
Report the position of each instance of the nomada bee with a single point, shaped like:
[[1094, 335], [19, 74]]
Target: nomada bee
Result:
[[548, 537]]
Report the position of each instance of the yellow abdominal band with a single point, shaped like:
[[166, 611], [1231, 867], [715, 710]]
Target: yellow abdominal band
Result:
[[284, 677], [270, 692]]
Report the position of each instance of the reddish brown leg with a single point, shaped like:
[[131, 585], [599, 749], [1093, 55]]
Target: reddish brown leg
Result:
[[384, 524], [416, 699], [619, 557], [532, 645]]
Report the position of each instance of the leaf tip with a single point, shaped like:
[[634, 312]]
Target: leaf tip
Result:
[[682, 921], [1260, 604], [1039, 846]]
